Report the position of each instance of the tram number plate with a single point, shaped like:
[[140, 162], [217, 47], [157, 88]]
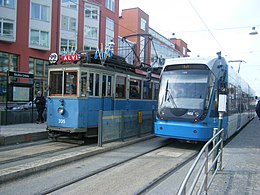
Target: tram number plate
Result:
[[61, 121]]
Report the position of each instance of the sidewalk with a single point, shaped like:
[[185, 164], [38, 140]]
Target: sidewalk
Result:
[[241, 159], [19, 133]]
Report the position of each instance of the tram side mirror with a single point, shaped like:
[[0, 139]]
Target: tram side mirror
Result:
[[222, 103]]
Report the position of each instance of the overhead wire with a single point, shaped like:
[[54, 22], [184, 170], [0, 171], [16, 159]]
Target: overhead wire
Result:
[[208, 29]]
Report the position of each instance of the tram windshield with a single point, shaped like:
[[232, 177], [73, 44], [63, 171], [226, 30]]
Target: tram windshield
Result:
[[184, 93], [63, 83]]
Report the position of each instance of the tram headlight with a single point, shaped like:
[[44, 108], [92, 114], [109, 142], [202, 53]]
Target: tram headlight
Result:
[[196, 114], [60, 110]]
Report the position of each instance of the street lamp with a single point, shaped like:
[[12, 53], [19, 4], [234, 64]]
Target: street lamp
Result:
[[253, 32], [240, 61]]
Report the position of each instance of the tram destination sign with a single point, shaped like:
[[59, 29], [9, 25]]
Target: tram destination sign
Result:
[[20, 74]]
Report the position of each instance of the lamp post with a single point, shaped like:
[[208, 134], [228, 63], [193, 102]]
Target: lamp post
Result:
[[240, 61], [254, 31]]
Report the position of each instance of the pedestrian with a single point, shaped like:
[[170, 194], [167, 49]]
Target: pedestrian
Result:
[[257, 109], [40, 105]]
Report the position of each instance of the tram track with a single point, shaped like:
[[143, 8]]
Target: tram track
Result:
[[146, 155], [112, 166], [26, 152], [96, 172], [18, 155]]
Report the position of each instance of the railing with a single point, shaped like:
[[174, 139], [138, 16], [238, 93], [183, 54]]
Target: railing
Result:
[[200, 183], [122, 124]]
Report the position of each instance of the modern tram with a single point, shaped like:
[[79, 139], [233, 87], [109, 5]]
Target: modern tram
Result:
[[189, 97], [80, 86]]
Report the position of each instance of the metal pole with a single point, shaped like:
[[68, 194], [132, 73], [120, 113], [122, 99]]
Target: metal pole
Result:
[[6, 95], [216, 151], [221, 150], [100, 128]]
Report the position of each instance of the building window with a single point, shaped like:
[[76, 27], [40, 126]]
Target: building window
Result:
[[125, 50], [39, 38], [88, 48], [38, 67], [67, 45], [110, 4], [6, 28], [142, 48], [72, 4], [91, 32], [109, 30], [40, 12], [184, 51], [143, 24], [7, 3], [68, 23], [91, 12], [8, 62]]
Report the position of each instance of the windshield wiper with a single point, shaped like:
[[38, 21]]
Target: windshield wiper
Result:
[[168, 95]]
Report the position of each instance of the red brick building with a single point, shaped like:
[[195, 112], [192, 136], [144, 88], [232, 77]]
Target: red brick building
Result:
[[32, 29]]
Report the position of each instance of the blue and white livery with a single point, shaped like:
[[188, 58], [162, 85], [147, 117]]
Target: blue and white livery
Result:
[[188, 99]]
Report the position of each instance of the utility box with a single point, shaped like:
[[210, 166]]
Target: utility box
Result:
[[222, 103]]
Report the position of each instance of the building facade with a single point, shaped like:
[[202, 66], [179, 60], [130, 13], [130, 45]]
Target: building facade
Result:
[[135, 21], [30, 30]]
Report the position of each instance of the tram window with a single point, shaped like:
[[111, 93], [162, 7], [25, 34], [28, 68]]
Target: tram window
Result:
[[120, 87], [70, 83], [147, 90], [104, 83], [109, 85], [232, 100], [55, 84], [84, 84], [156, 91], [97, 85], [135, 89], [91, 83], [214, 109]]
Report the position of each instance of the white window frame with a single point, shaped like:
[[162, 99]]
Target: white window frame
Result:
[[91, 32], [92, 9], [110, 4], [143, 24], [40, 16], [68, 46], [71, 4], [40, 42], [4, 3], [110, 30], [3, 21], [68, 21]]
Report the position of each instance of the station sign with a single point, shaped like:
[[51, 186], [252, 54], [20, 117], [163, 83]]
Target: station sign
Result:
[[20, 74]]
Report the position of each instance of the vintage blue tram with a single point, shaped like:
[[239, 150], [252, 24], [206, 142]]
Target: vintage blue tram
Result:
[[80, 88], [189, 97]]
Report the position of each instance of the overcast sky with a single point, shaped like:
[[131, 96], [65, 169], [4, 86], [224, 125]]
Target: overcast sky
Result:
[[209, 26]]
